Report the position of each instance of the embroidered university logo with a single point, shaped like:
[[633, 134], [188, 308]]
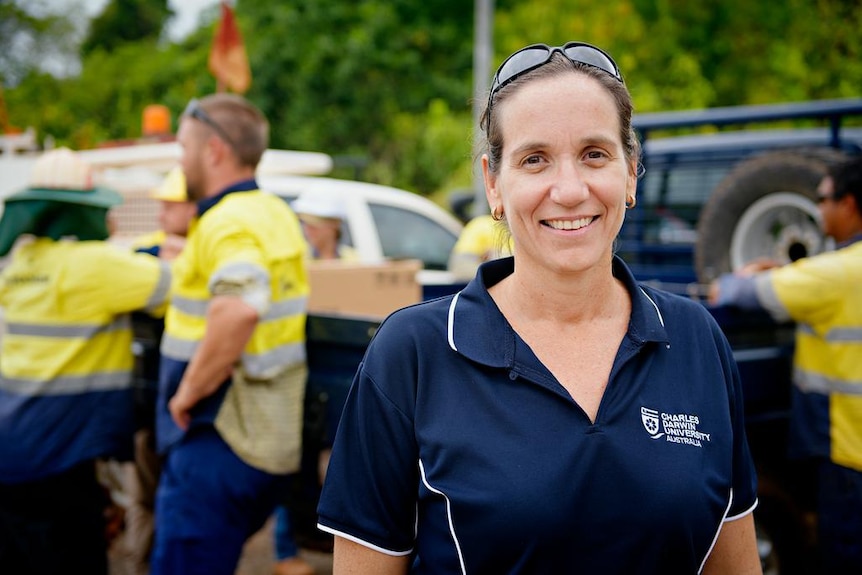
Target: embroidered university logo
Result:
[[650, 421], [674, 427]]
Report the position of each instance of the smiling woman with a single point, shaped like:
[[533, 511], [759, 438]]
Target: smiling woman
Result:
[[438, 464]]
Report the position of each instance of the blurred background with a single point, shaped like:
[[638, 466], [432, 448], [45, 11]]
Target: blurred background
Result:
[[386, 86]]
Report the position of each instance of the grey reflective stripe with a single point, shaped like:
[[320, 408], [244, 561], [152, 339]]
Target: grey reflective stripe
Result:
[[193, 307], [805, 328], [286, 308], [256, 365], [239, 272], [176, 348], [768, 298], [834, 335], [278, 310], [274, 361], [163, 286], [68, 384], [119, 323], [816, 383], [757, 354], [844, 334]]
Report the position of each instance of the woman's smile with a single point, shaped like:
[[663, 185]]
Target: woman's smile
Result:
[[569, 224]]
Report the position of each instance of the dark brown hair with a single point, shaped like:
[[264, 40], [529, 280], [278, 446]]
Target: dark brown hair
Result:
[[559, 65]]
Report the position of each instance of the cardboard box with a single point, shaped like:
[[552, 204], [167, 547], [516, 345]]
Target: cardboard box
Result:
[[372, 290]]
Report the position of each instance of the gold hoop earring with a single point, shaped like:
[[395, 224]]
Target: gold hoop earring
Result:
[[497, 215], [631, 202]]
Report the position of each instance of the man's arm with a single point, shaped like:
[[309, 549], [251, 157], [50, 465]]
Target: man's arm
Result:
[[171, 247], [230, 323], [738, 288]]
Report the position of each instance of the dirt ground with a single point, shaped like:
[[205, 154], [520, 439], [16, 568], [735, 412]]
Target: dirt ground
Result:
[[257, 557]]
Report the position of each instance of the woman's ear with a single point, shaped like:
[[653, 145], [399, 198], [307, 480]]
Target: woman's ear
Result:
[[490, 179], [632, 179]]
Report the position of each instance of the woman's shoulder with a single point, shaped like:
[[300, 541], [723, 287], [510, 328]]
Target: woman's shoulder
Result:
[[418, 325], [419, 316], [407, 338], [672, 305]]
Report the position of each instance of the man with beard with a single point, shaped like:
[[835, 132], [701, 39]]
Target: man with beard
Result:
[[233, 368]]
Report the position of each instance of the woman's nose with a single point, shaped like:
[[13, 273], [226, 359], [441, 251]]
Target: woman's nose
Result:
[[569, 186]]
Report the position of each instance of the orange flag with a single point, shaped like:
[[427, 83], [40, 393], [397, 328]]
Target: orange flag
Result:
[[228, 61]]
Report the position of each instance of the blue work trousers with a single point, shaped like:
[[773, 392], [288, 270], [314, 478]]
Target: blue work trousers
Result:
[[208, 503]]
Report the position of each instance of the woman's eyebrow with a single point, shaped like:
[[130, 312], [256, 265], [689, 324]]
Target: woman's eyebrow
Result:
[[588, 141]]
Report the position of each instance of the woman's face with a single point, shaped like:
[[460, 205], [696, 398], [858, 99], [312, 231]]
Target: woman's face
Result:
[[563, 177], [322, 234]]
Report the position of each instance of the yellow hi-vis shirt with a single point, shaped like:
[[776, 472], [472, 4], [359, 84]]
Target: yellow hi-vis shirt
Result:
[[66, 354], [481, 240], [249, 244], [823, 294], [148, 240]]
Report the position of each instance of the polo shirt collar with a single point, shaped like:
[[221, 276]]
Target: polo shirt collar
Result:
[[850, 242], [240, 186], [479, 331]]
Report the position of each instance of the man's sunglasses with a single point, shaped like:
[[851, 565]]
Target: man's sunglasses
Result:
[[537, 55], [194, 110]]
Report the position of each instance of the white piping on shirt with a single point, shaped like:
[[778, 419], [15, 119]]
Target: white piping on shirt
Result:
[[748, 511], [717, 532], [451, 318], [363, 542], [451, 322], [660, 318], [448, 516]]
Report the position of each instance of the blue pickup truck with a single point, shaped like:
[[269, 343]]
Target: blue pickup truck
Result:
[[708, 204]]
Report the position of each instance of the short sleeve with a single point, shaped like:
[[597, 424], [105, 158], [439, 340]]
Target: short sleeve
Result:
[[808, 290], [370, 491], [120, 280], [237, 264]]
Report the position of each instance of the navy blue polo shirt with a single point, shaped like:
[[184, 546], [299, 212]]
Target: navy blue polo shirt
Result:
[[457, 445]]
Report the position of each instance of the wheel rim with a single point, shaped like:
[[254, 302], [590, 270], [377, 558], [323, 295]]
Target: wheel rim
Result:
[[782, 226]]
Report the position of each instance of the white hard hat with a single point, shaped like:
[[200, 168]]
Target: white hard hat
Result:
[[61, 175], [318, 206]]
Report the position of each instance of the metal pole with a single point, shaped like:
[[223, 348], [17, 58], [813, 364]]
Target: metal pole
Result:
[[482, 54]]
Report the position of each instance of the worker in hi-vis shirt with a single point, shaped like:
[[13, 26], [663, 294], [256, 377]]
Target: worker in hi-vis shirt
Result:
[[66, 363]]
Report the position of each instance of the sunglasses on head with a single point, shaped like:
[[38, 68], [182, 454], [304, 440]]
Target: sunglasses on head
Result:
[[537, 55], [194, 110]]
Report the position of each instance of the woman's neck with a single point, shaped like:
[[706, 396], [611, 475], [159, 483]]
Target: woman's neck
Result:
[[565, 298]]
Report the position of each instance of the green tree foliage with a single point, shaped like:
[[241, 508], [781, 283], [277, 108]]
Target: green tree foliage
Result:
[[27, 40], [754, 52], [349, 76], [124, 21], [391, 80]]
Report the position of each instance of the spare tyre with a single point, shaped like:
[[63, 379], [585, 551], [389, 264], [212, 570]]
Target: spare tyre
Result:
[[766, 207]]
